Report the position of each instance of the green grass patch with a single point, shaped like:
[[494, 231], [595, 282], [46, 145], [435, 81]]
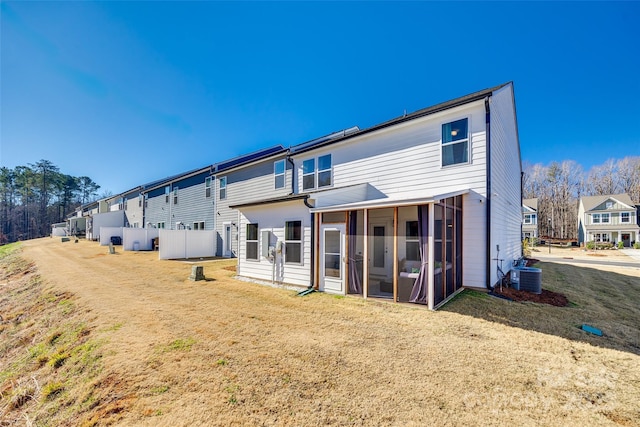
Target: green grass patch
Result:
[[51, 390], [181, 344], [159, 389], [6, 250]]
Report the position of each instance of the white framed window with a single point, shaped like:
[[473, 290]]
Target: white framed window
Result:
[[198, 225], [609, 205], [625, 218], [175, 196], [278, 173], [252, 242], [309, 174], [223, 187], [601, 237], [167, 190], [324, 171], [207, 187], [293, 242], [455, 142], [595, 218], [146, 200], [317, 172], [160, 225], [529, 218], [605, 218], [140, 200], [124, 203]]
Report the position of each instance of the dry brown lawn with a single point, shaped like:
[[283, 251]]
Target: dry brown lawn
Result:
[[126, 339]]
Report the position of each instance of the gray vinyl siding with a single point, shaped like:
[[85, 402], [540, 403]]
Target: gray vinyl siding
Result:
[[157, 210], [193, 205], [134, 213], [506, 173], [247, 184]]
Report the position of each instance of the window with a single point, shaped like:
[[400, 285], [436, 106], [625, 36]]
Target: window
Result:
[[595, 219], [140, 200], [605, 218], [529, 219], [124, 203], [609, 205], [625, 217], [455, 142], [309, 174], [207, 187], [604, 237], [198, 225], [146, 200], [175, 196], [167, 190], [252, 242], [160, 225], [323, 171], [293, 242], [223, 188], [412, 243], [278, 173]]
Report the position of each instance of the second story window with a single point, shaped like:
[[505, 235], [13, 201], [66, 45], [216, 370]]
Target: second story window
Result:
[[625, 218], [529, 219], [175, 196], [455, 142], [317, 172], [605, 218], [207, 187], [278, 173], [140, 200], [167, 190], [595, 219], [124, 203], [223, 188]]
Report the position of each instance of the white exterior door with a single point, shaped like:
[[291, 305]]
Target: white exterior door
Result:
[[380, 248], [332, 258]]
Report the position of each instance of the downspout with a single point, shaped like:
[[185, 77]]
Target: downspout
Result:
[[488, 213], [312, 269], [293, 168]]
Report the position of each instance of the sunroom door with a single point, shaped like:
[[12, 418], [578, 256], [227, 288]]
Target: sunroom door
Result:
[[332, 258]]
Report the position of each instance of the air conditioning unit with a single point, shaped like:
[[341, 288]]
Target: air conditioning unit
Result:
[[527, 279]]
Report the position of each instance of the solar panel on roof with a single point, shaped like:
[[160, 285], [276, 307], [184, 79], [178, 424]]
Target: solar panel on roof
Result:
[[249, 157]]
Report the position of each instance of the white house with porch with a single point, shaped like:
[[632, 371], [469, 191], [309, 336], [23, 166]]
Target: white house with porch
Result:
[[609, 218], [413, 209]]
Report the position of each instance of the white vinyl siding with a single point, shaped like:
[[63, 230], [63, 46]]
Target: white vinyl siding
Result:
[[246, 184], [404, 162], [271, 220], [506, 197]]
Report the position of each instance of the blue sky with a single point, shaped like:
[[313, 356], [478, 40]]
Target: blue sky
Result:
[[131, 92]]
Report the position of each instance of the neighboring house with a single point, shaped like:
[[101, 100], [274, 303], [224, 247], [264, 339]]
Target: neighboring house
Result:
[[262, 174], [529, 219], [182, 201], [130, 203], [412, 209], [610, 218]]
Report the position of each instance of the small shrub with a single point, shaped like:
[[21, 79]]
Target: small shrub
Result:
[[51, 390], [636, 245], [620, 245], [526, 248], [58, 360], [591, 245]]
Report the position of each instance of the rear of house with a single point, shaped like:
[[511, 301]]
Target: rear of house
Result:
[[412, 209]]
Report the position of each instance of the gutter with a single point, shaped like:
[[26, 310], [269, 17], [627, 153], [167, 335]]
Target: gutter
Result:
[[312, 269], [488, 215], [293, 168]]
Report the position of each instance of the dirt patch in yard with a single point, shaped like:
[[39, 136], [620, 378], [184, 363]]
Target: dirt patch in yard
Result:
[[545, 297]]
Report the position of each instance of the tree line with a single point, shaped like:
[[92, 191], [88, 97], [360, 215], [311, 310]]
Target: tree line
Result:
[[35, 196], [559, 186]]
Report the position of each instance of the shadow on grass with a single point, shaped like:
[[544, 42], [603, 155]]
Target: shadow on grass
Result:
[[609, 301]]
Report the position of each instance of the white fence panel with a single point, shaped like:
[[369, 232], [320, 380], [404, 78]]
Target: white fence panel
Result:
[[106, 219], [142, 236], [177, 244], [107, 232], [58, 231]]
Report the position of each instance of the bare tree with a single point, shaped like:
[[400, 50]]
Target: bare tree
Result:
[[629, 177]]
